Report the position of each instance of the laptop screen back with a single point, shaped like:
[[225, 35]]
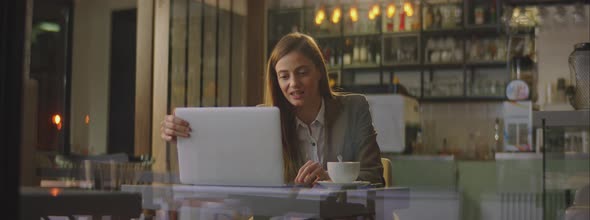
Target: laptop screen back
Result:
[[236, 146]]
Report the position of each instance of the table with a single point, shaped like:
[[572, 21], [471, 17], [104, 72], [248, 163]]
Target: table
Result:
[[40, 202], [266, 202]]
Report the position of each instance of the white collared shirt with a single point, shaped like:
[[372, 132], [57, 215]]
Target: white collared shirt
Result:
[[313, 142]]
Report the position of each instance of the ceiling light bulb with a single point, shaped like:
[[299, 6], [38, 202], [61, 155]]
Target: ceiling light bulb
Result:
[[354, 14], [336, 15], [408, 9], [390, 10]]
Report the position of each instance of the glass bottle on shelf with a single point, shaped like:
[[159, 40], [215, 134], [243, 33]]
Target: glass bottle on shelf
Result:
[[411, 22], [395, 85], [428, 17], [493, 11], [356, 57], [388, 24], [497, 132], [458, 15], [479, 13], [363, 52], [376, 51], [347, 52], [437, 19], [402, 21]]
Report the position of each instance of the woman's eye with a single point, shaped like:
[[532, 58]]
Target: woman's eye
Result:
[[283, 76]]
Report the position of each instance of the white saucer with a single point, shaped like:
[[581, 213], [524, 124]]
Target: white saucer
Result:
[[333, 184]]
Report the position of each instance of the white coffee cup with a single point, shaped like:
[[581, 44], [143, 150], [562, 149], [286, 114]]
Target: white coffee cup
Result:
[[343, 172]]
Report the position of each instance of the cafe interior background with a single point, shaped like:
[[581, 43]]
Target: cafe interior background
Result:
[[101, 75]]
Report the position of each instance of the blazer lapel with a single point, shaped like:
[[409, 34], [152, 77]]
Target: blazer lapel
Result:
[[334, 131]]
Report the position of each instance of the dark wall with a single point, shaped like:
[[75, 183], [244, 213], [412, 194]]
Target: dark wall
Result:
[[121, 130], [12, 17]]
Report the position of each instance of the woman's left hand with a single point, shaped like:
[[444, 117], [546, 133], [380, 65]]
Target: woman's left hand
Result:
[[310, 173]]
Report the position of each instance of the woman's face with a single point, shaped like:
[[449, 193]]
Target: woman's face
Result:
[[298, 79]]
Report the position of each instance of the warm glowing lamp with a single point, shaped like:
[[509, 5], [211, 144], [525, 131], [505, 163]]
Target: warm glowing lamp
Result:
[[376, 10], [87, 119], [54, 192], [320, 15], [390, 10], [336, 15], [354, 14], [56, 119], [408, 9]]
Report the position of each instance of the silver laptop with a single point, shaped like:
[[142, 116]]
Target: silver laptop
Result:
[[231, 146]]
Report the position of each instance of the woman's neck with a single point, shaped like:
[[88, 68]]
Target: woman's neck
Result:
[[307, 113]]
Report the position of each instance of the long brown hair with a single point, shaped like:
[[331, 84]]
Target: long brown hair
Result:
[[307, 46]]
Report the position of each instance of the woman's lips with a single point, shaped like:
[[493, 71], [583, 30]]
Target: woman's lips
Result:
[[297, 95]]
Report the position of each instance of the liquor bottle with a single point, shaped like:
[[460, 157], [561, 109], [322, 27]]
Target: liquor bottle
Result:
[[428, 17], [389, 25], [478, 13], [375, 54], [458, 15], [363, 52], [437, 21], [330, 55], [402, 21], [395, 85], [497, 133], [356, 58], [410, 20], [493, 12], [347, 52]]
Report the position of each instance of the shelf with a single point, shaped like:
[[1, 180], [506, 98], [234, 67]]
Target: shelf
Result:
[[360, 66], [487, 64], [285, 10], [367, 89], [401, 34], [326, 36], [366, 34], [518, 156], [332, 68], [561, 118], [463, 99], [566, 155], [442, 31], [486, 28], [389, 65], [443, 65], [541, 2]]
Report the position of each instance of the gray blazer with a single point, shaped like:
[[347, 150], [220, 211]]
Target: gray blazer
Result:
[[350, 133]]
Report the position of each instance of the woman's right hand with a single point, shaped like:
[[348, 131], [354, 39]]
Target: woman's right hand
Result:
[[172, 127]]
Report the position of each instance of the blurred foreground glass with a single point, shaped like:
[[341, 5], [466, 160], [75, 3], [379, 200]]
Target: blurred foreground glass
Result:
[[111, 175]]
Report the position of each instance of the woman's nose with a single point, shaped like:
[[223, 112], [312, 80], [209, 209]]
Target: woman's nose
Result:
[[295, 81]]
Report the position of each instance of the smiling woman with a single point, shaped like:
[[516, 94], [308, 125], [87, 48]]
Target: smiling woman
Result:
[[317, 124], [298, 85]]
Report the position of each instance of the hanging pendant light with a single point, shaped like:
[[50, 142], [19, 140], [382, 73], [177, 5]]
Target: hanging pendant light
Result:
[[354, 14], [374, 11], [320, 15], [336, 14], [408, 9], [390, 10]]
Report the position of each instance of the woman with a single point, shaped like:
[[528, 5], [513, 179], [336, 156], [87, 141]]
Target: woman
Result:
[[317, 124]]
